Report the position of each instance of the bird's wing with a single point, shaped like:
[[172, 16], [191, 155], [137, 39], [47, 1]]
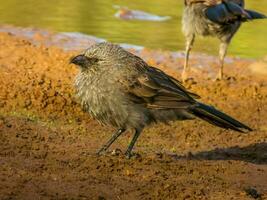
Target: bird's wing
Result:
[[155, 89], [228, 11], [214, 2], [223, 11]]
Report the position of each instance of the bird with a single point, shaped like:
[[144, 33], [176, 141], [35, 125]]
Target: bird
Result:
[[119, 89], [216, 18]]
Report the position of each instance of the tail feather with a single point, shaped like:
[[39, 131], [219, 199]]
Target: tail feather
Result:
[[255, 15], [218, 118]]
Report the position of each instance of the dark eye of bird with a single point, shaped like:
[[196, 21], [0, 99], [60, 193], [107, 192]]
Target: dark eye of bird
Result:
[[94, 60]]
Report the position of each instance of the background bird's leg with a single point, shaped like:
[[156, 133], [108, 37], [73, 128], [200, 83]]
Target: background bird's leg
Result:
[[111, 140], [222, 53], [189, 44], [131, 145]]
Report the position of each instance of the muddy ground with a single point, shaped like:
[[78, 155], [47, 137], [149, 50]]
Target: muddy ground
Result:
[[48, 144]]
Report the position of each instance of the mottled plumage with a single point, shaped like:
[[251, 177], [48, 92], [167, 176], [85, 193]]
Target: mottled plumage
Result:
[[118, 88], [217, 18]]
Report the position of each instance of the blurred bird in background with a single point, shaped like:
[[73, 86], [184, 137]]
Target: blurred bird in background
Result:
[[218, 18], [120, 89]]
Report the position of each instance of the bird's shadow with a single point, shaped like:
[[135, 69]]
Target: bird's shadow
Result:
[[255, 153]]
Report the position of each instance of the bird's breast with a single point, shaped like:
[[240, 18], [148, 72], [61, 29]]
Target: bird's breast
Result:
[[100, 96]]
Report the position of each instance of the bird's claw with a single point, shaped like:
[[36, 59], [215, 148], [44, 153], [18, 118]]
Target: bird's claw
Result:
[[101, 152], [219, 76], [130, 155], [116, 152], [184, 77]]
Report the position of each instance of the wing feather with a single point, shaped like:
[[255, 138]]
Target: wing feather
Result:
[[223, 11], [214, 2], [156, 90]]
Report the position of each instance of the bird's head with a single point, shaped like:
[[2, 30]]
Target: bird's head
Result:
[[101, 53]]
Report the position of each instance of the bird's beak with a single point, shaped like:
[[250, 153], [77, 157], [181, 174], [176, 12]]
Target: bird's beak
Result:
[[79, 60]]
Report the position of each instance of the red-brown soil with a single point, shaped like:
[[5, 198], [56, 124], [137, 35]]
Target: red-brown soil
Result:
[[48, 144]]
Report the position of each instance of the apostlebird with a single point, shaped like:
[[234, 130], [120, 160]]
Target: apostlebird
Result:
[[118, 88], [218, 18]]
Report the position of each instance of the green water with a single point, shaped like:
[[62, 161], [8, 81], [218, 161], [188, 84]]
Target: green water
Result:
[[96, 17]]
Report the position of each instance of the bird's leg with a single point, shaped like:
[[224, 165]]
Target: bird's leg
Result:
[[111, 140], [189, 44], [128, 152], [222, 53]]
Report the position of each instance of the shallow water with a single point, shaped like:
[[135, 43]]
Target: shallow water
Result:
[[96, 17]]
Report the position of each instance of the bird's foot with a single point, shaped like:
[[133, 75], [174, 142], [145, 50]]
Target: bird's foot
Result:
[[101, 152], [220, 76], [130, 155], [184, 78], [116, 152], [185, 75], [225, 78], [190, 81], [217, 79]]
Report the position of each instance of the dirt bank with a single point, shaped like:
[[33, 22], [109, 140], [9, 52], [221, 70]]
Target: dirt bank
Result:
[[47, 143]]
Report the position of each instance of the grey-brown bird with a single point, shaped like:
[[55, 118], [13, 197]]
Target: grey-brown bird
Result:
[[118, 88], [218, 18]]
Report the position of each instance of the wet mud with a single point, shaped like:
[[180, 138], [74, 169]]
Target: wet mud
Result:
[[48, 144]]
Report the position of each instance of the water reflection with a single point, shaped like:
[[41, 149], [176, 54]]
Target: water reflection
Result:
[[96, 17]]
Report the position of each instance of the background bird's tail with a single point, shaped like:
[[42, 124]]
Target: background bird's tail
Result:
[[216, 117], [255, 15]]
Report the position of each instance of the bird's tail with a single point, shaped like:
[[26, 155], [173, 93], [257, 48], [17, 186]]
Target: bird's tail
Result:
[[216, 117], [255, 15]]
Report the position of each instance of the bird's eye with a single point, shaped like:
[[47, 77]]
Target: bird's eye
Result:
[[94, 60]]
